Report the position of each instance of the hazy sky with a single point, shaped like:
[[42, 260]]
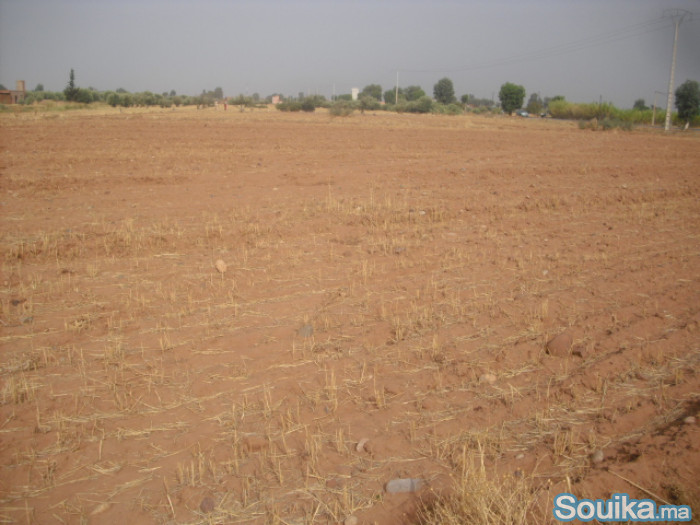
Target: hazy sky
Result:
[[582, 49]]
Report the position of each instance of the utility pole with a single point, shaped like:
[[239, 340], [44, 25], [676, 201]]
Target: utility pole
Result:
[[396, 98], [677, 15]]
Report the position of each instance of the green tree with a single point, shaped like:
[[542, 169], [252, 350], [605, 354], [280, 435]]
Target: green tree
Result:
[[373, 90], [414, 93], [688, 100], [534, 104], [218, 93], [422, 105], [114, 100], [640, 105], [39, 87], [390, 96], [444, 91], [368, 103], [308, 104], [71, 92], [511, 97], [84, 96], [556, 98]]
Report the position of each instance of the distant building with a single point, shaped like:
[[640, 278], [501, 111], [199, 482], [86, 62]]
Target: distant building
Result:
[[276, 99], [355, 93], [13, 96]]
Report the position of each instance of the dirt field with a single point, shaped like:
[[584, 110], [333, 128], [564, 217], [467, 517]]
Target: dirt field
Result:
[[390, 285]]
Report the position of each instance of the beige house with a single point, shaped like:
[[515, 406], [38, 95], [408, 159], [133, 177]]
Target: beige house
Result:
[[13, 96]]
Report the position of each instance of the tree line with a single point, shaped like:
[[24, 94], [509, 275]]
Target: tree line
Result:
[[410, 99]]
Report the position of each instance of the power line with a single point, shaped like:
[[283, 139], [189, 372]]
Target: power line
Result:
[[560, 49], [678, 15]]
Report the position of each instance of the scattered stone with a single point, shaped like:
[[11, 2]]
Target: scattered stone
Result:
[[560, 345], [520, 456], [100, 509], [351, 520], [690, 420], [404, 485], [489, 379], [598, 456], [207, 505], [306, 331], [518, 473], [581, 350], [361, 445], [220, 266]]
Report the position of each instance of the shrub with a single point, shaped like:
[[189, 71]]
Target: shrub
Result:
[[606, 124], [84, 96], [367, 103], [308, 105], [341, 108], [422, 105], [289, 106], [114, 99]]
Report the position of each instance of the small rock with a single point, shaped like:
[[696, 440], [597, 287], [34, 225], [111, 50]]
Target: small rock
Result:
[[100, 509], [581, 350], [361, 445], [220, 266], [598, 456], [207, 505], [518, 473], [560, 345], [690, 420], [489, 379], [404, 485], [306, 331], [520, 456], [351, 520]]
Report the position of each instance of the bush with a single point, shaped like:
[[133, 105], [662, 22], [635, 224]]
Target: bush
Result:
[[573, 111], [422, 105], [114, 99], [308, 105], [84, 96], [606, 124], [341, 108], [289, 106]]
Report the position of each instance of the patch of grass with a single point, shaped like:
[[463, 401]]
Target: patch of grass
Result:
[[483, 498]]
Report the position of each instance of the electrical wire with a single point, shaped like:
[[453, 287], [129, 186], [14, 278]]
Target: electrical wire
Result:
[[625, 33]]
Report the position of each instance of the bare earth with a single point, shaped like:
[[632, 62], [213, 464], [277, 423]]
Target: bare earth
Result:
[[388, 279]]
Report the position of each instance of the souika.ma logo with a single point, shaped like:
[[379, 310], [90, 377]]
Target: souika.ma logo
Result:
[[621, 507]]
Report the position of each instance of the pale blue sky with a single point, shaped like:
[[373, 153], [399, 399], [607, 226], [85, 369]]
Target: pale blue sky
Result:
[[582, 49]]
